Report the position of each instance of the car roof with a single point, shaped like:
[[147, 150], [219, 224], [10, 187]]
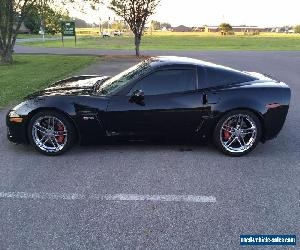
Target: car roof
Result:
[[178, 60]]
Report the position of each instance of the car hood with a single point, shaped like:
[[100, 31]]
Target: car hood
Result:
[[76, 85]]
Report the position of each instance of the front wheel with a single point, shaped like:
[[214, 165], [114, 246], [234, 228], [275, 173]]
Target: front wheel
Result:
[[51, 133], [237, 132]]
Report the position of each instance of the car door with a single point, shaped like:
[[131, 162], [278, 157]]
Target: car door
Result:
[[164, 102]]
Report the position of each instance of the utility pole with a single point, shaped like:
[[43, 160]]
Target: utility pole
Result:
[[108, 24], [43, 25], [100, 21], [100, 26]]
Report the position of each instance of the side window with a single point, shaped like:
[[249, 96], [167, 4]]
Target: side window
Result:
[[167, 81], [217, 77]]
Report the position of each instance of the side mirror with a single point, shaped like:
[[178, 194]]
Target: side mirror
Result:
[[137, 97]]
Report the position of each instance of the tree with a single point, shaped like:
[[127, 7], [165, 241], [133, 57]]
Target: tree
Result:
[[165, 25], [155, 25], [117, 25], [135, 13], [33, 20], [225, 28], [12, 14], [45, 16], [52, 20], [297, 29]]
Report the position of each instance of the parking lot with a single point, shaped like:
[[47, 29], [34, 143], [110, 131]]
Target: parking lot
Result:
[[142, 195]]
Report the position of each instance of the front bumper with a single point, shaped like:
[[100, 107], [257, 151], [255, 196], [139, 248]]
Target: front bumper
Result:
[[17, 132]]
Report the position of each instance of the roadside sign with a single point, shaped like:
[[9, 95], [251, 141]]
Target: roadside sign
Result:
[[67, 29]]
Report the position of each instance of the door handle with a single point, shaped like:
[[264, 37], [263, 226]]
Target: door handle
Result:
[[211, 98], [204, 99]]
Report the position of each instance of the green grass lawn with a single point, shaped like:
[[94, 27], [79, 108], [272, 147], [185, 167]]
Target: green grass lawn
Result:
[[183, 42], [32, 72], [22, 36]]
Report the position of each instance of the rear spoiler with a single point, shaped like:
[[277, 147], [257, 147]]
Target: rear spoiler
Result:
[[261, 76]]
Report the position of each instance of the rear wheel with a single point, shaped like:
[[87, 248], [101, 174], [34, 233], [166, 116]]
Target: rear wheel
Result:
[[51, 133], [237, 132]]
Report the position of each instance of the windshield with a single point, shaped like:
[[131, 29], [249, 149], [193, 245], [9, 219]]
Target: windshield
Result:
[[113, 84]]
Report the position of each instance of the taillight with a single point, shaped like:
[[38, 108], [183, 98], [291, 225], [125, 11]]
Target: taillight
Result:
[[272, 105]]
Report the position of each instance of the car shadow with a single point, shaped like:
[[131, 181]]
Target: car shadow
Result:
[[142, 146]]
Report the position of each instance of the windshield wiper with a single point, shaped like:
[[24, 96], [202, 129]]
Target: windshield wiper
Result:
[[98, 84]]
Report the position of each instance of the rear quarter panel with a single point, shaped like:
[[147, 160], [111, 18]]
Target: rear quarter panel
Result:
[[254, 96]]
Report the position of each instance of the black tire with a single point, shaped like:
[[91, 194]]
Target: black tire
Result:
[[218, 130], [71, 132]]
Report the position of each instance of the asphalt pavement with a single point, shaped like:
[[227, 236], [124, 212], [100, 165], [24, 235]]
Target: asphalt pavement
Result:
[[155, 196]]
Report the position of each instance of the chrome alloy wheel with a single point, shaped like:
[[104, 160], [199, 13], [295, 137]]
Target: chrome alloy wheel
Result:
[[238, 133], [49, 134]]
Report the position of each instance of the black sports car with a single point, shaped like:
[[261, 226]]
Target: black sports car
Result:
[[161, 96]]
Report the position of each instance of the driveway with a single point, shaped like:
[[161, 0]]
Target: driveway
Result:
[[155, 196]]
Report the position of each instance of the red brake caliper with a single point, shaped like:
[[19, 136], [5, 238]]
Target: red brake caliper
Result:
[[226, 135], [60, 138]]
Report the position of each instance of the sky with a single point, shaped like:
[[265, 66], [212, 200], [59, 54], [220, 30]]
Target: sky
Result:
[[262, 13]]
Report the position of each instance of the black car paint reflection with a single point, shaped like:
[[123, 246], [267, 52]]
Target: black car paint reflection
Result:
[[100, 109]]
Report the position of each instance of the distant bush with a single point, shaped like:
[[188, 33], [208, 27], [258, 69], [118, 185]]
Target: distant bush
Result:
[[226, 33], [297, 29], [226, 29], [251, 33]]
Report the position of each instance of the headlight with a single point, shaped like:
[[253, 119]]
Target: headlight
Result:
[[14, 117]]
